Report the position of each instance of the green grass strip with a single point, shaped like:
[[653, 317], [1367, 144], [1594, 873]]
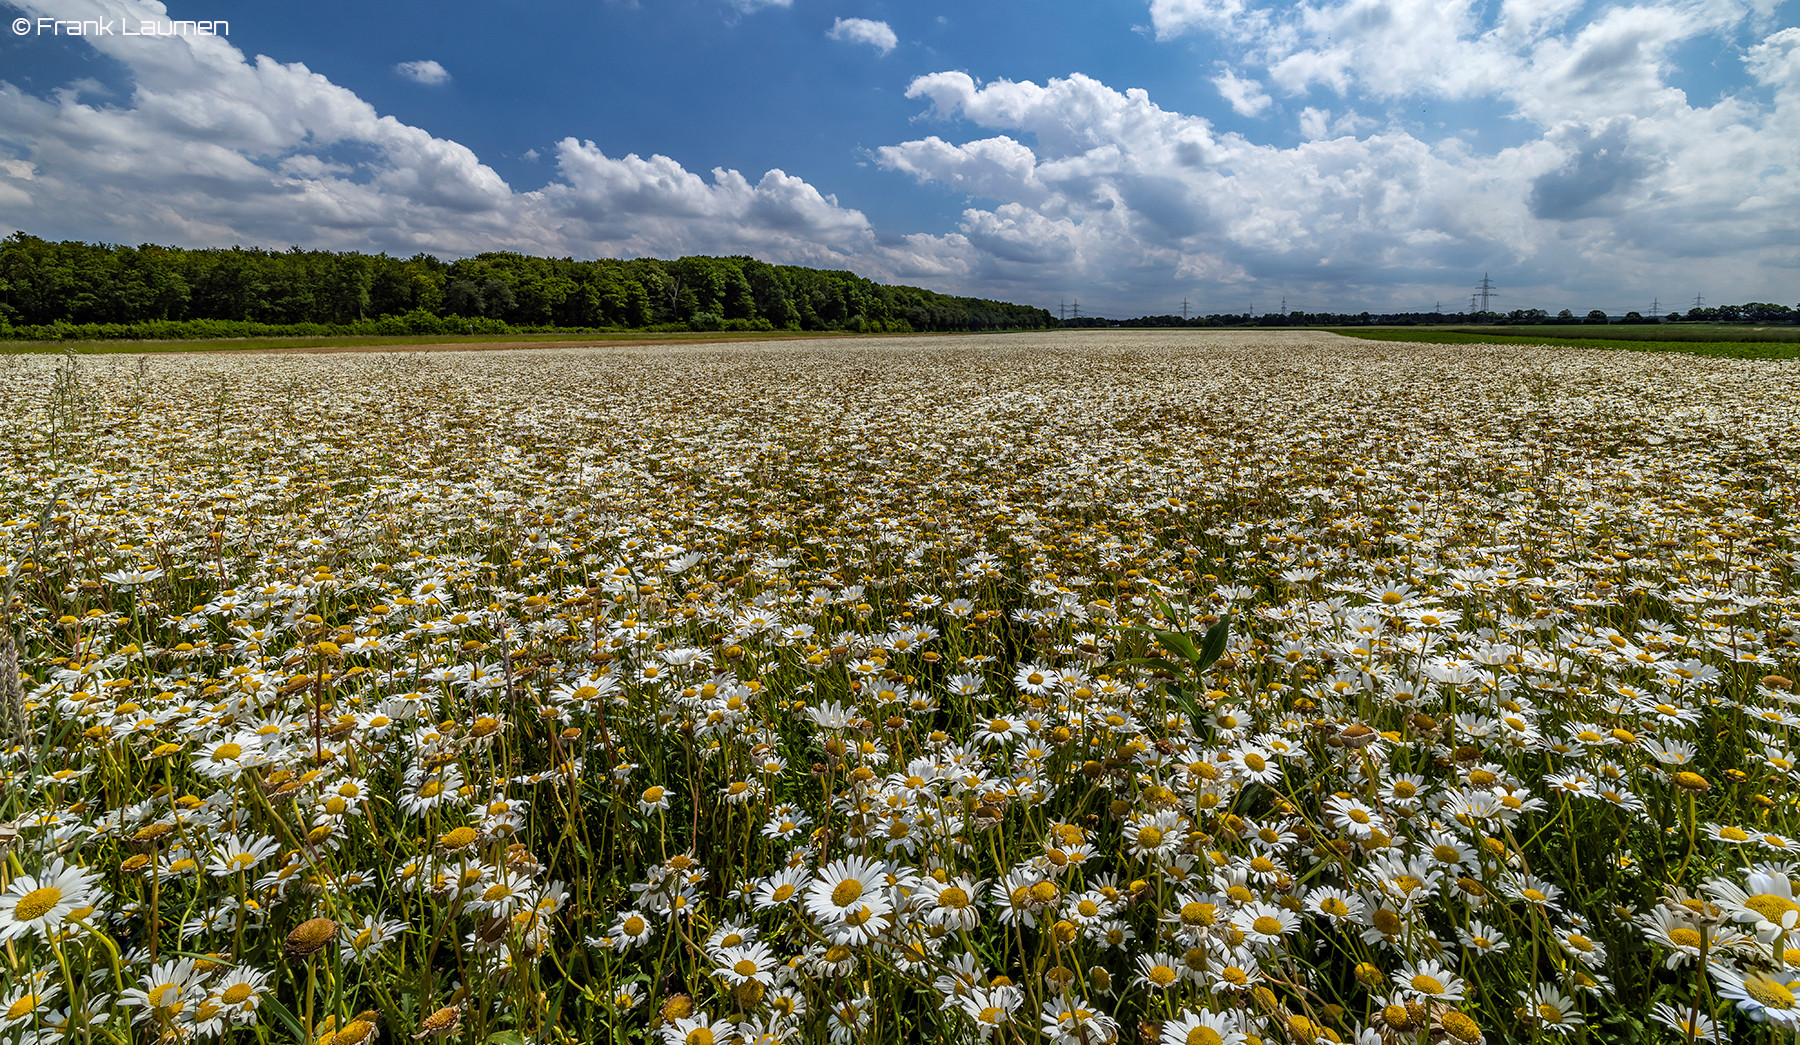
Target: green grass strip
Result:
[[1720, 349]]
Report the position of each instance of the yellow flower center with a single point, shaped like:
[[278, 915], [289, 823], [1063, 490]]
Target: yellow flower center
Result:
[[227, 751], [458, 838], [1460, 1027], [846, 893], [1268, 925], [700, 1036], [1204, 1036], [1149, 837], [951, 896], [746, 967], [36, 903], [634, 926], [1770, 993], [1256, 762], [1427, 984], [19, 1008], [1549, 1013], [1161, 975], [1770, 906], [783, 892]]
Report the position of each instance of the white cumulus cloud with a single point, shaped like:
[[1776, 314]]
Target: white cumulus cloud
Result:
[[426, 71], [1246, 97], [864, 31]]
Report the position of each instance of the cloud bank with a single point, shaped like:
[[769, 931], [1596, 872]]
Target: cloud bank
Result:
[[1615, 179]]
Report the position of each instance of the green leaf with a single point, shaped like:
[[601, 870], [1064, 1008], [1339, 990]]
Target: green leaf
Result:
[[1163, 604], [1213, 647], [284, 1016], [1176, 642]]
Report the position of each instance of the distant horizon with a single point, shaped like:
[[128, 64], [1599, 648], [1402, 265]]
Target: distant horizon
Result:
[[1354, 154]]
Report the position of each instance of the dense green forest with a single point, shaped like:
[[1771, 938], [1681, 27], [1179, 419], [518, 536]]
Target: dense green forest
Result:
[[51, 290]]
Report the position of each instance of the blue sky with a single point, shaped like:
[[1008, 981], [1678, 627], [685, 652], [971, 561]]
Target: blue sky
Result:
[[1340, 154]]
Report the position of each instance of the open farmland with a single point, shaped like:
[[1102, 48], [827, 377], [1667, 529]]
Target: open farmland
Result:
[[1057, 687]]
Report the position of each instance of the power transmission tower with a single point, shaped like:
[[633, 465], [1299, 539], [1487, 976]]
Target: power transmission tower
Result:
[[1061, 310], [1699, 300], [1655, 307], [1076, 309], [1485, 291], [1184, 306]]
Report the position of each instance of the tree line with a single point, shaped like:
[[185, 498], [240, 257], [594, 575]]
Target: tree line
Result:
[[73, 289], [1753, 312]]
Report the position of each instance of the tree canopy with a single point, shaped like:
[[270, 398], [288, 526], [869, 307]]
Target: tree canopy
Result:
[[140, 290]]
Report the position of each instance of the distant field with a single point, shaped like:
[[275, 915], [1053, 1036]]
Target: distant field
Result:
[[1726, 341]]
